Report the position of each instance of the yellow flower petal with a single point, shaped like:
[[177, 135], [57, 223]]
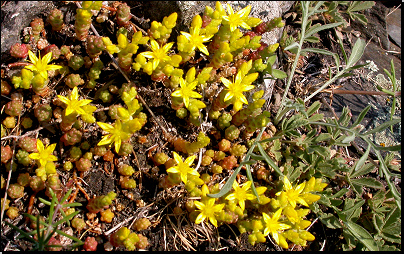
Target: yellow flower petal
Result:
[[168, 46], [32, 57], [231, 196], [244, 12], [187, 35], [40, 146], [286, 183], [30, 67], [177, 93], [177, 158], [242, 204], [204, 49], [199, 205], [105, 126], [184, 177], [44, 74], [154, 45], [200, 218], [275, 237], [213, 221], [173, 170], [186, 101], [50, 148], [277, 214], [147, 54], [245, 26], [226, 82], [155, 63], [34, 156], [47, 58], [243, 99], [63, 99], [118, 145], [230, 9], [105, 140]]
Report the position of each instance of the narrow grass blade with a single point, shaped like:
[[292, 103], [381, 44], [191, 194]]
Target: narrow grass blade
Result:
[[388, 148], [270, 162], [382, 126], [249, 176], [315, 29]]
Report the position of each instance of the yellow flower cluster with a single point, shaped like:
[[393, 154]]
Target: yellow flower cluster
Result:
[[45, 159], [281, 218]]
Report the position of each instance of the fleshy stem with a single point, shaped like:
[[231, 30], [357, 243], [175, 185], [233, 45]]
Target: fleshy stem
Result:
[[3, 206], [166, 133]]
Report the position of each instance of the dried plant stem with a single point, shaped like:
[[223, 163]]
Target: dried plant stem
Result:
[[31, 203], [118, 226], [29, 132], [3, 206], [337, 91]]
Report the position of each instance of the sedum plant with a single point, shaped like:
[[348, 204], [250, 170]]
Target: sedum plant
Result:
[[131, 120]]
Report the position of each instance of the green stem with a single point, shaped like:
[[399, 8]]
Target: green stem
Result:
[[292, 72], [383, 167]]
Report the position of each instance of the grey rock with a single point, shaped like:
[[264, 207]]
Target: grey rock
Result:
[[16, 15], [394, 26], [376, 27]]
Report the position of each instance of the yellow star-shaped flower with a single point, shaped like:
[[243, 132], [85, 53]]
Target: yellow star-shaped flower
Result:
[[293, 194], [183, 167], [235, 90], [273, 226], [208, 210], [186, 91], [235, 20], [41, 65], [44, 154], [157, 54], [73, 103], [115, 134], [194, 38], [241, 194]]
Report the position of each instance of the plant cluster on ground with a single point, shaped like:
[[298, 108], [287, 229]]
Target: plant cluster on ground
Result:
[[127, 130]]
